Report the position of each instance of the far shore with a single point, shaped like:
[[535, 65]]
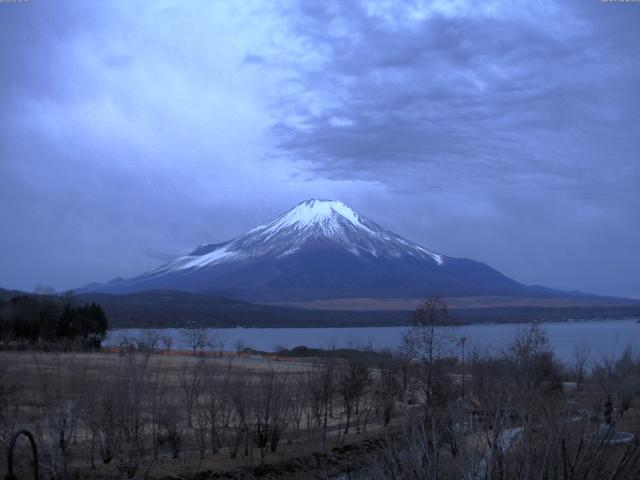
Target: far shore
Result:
[[404, 304]]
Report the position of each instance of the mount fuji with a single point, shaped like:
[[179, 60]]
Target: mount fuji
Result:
[[320, 250]]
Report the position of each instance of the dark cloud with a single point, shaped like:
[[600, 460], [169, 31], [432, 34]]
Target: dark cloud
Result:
[[502, 131], [503, 96], [534, 117]]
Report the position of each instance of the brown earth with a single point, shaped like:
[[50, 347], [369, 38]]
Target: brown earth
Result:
[[365, 304]]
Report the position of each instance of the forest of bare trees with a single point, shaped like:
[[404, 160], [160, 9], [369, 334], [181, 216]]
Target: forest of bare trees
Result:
[[422, 412]]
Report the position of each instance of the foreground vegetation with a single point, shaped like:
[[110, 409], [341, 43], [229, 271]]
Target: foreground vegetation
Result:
[[147, 412]]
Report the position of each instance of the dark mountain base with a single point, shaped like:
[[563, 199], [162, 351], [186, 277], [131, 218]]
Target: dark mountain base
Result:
[[169, 309], [180, 309]]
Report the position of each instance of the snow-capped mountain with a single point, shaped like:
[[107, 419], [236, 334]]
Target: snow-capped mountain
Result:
[[320, 249], [309, 221]]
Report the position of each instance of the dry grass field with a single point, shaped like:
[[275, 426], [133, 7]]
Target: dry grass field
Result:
[[160, 406], [134, 414]]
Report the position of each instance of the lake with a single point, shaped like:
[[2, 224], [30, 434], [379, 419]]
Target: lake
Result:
[[604, 337]]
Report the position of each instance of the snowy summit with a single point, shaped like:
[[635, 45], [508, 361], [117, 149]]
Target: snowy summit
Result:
[[328, 221], [324, 214]]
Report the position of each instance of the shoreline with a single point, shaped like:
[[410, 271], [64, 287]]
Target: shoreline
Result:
[[408, 325]]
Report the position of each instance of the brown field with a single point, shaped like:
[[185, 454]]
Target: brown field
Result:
[[135, 414], [409, 304], [67, 388]]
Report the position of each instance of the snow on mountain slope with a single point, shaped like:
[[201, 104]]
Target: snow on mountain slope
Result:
[[320, 249], [329, 220]]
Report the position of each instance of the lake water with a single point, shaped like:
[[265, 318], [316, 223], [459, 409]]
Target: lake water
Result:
[[604, 337]]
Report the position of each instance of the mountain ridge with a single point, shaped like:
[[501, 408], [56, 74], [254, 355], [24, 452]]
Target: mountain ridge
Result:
[[318, 250]]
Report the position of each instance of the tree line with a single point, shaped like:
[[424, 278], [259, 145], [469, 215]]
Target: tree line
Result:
[[50, 320]]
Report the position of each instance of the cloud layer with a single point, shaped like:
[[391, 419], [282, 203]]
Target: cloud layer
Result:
[[506, 132]]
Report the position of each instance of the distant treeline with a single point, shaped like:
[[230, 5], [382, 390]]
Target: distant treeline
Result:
[[171, 309], [36, 319], [174, 309]]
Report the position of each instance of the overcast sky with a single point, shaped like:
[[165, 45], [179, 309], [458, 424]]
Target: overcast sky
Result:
[[503, 131]]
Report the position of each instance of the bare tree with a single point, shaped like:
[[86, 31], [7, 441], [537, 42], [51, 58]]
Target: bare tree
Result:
[[327, 378], [126, 406], [60, 411], [270, 406], [620, 378], [157, 388], [240, 398], [149, 341], [240, 347], [191, 380], [196, 338], [167, 343], [430, 343], [217, 342], [170, 420], [387, 388], [300, 400], [581, 355], [531, 357], [216, 404], [352, 380], [9, 403], [89, 411]]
